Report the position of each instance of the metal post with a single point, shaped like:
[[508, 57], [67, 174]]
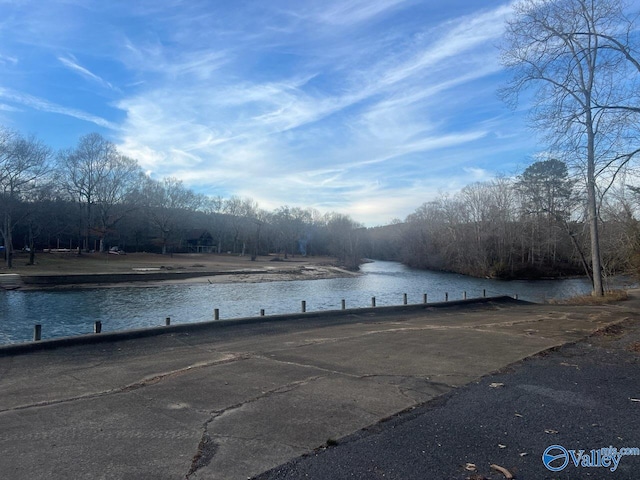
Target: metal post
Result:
[[216, 314], [304, 306], [464, 296], [446, 296], [484, 292], [167, 321], [424, 298], [262, 312], [404, 299], [344, 304], [97, 327], [37, 333], [373, 301]]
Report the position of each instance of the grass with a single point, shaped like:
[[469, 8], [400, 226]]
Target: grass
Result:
[[610, 296]]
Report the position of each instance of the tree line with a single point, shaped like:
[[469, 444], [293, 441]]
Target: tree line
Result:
[[92, 198], [529, 226], [579, 58]]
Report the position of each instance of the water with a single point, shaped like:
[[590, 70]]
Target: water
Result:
[[73, 312]]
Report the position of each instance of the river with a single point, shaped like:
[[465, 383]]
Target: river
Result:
[[73, 312]]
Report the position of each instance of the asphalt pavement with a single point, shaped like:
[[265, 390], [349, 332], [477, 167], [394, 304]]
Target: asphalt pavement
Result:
[[579, 397], [230, 400]]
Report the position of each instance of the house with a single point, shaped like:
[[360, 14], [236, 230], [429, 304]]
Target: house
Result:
[[199, 241]]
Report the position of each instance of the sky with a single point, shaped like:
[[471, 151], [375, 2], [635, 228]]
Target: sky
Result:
[[364, 107]]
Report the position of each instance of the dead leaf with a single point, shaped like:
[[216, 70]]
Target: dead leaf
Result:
[[470, 467], [523, 454], [518, 415], [502, 470], [565, 364], [550, 431], [496, 385], [477, 476], [501, 446]]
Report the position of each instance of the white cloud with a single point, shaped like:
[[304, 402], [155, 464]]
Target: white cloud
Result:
[[46, 106], [72, 63]]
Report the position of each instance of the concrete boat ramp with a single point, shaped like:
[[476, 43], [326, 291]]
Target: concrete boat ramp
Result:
[[230, 401]]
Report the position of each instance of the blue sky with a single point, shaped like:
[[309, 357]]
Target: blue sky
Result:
[[366, 107]]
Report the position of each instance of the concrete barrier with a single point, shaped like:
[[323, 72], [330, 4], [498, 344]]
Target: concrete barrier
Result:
[[95, 338]]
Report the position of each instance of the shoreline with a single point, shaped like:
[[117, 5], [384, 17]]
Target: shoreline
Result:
[[150, 276]]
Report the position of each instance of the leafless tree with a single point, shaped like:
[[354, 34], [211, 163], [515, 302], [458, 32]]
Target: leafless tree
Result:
[[23, 163], [581, 58]]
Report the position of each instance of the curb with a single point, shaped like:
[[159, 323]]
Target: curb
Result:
[[97, 338]]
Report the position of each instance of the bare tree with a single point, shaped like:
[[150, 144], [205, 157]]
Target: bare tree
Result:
[[581, 57], [23, 163], [165, 203], [84, 172]]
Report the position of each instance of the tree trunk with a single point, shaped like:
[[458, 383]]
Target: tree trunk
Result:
[[592, 211], [8, 241]]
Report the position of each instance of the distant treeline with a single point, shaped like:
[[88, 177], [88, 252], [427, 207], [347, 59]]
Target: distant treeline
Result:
[[530, 226], [92, 198]]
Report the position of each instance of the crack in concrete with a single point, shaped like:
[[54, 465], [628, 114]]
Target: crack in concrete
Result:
[[207, 447], [206, 450], [130, 387]]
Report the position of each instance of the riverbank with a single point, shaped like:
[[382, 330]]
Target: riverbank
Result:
[[69, 270], [233, 401]]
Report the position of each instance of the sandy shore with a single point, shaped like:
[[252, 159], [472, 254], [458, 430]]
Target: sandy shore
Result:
[[69, 270]]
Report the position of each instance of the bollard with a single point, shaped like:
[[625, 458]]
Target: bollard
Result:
[[304, 306], [262, 312], [373, 301], [446, 296], [464, 296], [404, 299], [216, 314], [424, 298], [37, 333], [484, 292], [344, 304], [167, 321], [97, 327]]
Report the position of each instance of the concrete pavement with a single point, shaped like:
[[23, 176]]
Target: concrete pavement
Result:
[[232, 402]]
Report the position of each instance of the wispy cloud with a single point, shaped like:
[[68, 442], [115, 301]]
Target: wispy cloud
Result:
[[46, 106], [8, 60], [72, 63], [337, 104]]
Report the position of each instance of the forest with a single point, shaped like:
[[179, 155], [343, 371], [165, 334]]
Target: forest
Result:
[[528, 226], [92, 199]]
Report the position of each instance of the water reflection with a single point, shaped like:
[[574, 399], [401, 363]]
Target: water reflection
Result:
[[73, 312]]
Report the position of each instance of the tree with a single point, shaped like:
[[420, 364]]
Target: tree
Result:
[[165, 202], [547, 192], [117, 185], [581, 57], [94, 173], [345, 239], [23, 163]]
